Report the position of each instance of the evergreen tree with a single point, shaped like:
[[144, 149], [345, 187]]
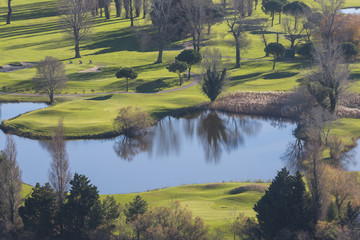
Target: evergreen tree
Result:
[[285, 206], [82, 211], [39, 212], [137, 207]]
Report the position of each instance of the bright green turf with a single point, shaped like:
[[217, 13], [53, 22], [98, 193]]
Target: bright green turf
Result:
[[34, 34]]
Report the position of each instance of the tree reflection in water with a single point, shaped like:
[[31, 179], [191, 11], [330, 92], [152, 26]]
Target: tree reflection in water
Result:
[[215, 132]]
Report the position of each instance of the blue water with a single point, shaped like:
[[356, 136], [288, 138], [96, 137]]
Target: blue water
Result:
[[350, 11], [207, 147]]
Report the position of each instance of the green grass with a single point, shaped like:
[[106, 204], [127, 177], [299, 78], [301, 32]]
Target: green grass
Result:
[[34, 34]]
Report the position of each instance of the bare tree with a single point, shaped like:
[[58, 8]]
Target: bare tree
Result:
[[76, 20], [50, 76], [8, 18], [329, 77], [263, 28], [329, 20], [161, 13], [195, 11], [342, 186], [131, 12], [236, 23], [293, 34], [59, 172], [10, 185]]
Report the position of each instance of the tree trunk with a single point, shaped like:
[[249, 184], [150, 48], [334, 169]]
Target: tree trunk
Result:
[[194, 40], [51, 96], [127, 84], [237, 46], [198, 42], [131, 9], [8, 19], [272, 19], [107, 12], [118, 5], [209, 29], [189, 71], [180, 78], [279, 17], [159, 59], [274, 63], [144, 8], [77, 49]]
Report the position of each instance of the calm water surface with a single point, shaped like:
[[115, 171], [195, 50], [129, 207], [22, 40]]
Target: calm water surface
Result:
[[350, 11], [206, 147]]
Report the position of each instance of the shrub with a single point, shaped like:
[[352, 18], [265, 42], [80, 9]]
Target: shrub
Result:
[[131, 122], [305, 50]]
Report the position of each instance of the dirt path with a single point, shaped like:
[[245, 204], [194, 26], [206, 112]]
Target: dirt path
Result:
[[93, 69], [11, 68], [196, 80]]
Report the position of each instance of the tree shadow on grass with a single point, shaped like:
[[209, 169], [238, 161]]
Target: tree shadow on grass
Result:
[[155, 86], [34, 10], [243, 78], [33, 29], [279, 75]]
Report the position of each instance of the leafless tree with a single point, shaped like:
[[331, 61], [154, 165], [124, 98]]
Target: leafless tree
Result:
[[161, 13], [10, 186], [8, 18], [236, 23], [195, 11], [330, 22], [293, 34], [329, 77], [59, 172], [76, 20], [342, 186], [50, 76], [263, 28]]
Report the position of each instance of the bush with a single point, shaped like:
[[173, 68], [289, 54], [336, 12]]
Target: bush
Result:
[[350, 50], [132, 122], [305, 50]]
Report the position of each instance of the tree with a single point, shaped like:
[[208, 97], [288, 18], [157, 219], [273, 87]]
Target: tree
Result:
[[145, 8], [342, 186], [127, 8], [236, 25], [76, 20], [214, 76], [328, 79], [107, 8], [127, 73], [305, 50], [118, 7], [285, 205], [162, 18], [275, 49], [10, 186], [195, 11], [39, 212], [189, 56], [137, 207], [82, 210], [178, 68], [8, 18], [59, 172], [271, 7], [349, 50], [137, 6], [50, 76], [293, 34], [297, 9], [131, 122], [131, 11]]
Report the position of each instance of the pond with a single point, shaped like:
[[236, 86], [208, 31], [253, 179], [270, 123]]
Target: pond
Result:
[[205, 147], [350, 10]]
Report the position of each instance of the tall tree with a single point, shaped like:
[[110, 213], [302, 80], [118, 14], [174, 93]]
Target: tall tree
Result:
[[118, 7], [82, 210], [8, 18], [131, 12], [76, 20], [195, 11], [137, 207], [59, 172], [236, 24], [107, 8], [10, 186], [50, 76], [127, 8], [285, 205], [137, 6], [297, 9], [271, 7], [161, 15]]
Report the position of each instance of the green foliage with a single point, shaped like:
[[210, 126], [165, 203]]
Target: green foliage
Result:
[[213, 83], [296, 8], [275, 49], [39, 212], [137, 207], [285, 205], [271, 7], [110, 211], [190, 56], [127, 73], [177, 67], [305, 50], [81, 213], [332, 212], [351, 216], [349, 50]]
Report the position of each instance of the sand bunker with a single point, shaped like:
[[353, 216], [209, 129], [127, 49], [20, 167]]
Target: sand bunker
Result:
[[11, 68], [93, 69]]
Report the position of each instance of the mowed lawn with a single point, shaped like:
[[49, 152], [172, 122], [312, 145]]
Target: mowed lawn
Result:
[[35, 33]]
